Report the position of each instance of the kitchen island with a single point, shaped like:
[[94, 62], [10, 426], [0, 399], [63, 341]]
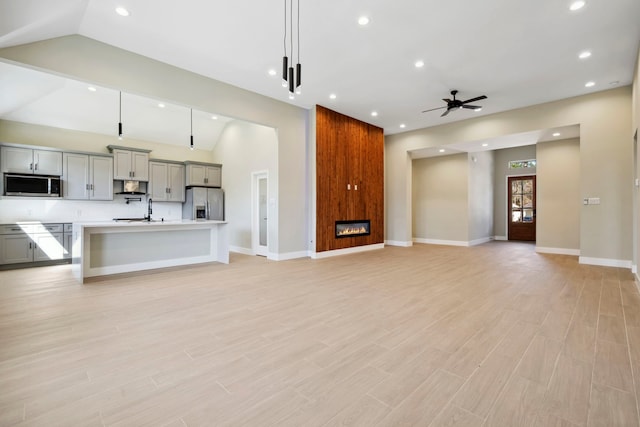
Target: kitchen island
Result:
[[110, 247]]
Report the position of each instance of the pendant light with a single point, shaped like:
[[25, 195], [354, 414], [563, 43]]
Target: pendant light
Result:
[[120, 117], [191, 147], [291, 77]]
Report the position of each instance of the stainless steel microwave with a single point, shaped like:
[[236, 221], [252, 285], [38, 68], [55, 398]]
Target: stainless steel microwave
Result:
[[32, 185]]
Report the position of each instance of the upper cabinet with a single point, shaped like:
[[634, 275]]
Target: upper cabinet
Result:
[[204, 174], [87, 177], [166, 181], [130, 163], [30, 161]]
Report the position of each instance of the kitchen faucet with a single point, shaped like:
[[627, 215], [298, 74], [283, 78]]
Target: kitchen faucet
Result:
[[149, 203]]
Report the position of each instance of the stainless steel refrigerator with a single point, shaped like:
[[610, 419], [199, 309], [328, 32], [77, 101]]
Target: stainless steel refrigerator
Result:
[[203, 203]]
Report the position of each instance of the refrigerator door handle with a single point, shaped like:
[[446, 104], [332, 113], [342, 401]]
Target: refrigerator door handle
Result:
[[208, 210]]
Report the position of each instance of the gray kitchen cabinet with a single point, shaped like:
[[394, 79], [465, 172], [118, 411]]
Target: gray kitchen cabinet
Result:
[[130, 164], [30, 161], [67, 237], [166, 181], [87, 177], [31, 243], [203, 174]]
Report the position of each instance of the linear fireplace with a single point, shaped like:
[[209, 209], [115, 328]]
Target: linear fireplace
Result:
[[353, 228]]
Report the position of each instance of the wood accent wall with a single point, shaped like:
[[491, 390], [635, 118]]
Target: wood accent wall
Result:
[[348, 152]]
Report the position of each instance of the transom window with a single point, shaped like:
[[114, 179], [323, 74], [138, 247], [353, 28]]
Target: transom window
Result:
[[521, 164]]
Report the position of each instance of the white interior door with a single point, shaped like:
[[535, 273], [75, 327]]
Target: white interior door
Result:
[[260, 211]]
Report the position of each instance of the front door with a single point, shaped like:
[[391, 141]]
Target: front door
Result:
[[521, 212]]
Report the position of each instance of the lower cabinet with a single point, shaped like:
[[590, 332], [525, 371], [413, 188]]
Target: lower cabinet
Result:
[[33, 243]]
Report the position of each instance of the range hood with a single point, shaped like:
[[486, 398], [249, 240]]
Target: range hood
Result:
[[132, 188]]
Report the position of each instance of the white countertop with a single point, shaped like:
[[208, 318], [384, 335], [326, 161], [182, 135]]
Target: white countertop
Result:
[[154, 223]]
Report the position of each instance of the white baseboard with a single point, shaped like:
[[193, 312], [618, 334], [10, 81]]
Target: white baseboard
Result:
[[634, 269], [346, 251], [440, 242], [480, 241], [500, 238], [398, 243], [557, 251], [605, 262], [240, 250], [287, 255]]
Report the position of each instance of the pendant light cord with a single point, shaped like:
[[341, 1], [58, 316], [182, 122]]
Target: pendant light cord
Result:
[[120, 108], [191, 121], [284, 41], [298, 29], [291, 33]]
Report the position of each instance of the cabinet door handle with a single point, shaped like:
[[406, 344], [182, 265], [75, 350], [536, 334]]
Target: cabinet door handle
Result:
[[206, 180], [348, 186], [30, 166], [91, 187], [87, 186], [355, 187], [30, 245], [133, 174]]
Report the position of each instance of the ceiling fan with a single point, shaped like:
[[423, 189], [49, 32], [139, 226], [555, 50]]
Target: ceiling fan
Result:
[[456, 104]]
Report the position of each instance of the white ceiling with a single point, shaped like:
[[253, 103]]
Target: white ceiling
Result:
[[517, 53]]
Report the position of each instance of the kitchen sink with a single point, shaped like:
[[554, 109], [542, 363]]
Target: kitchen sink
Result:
[[134, 220]]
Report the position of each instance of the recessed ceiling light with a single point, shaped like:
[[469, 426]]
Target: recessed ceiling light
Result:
[[614, 83], [556, 134], [419, 64], [589, 84], [122, 11], [161, 105], [441, 150], [272, 72], [332, 96], [214, 117], [402, 126], [477, 109], [374, 113], [576, 5], [584, 55], [91, 88], [363, 20], [485, 145]]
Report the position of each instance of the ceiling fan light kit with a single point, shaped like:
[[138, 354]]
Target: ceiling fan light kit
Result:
[[456, 104]]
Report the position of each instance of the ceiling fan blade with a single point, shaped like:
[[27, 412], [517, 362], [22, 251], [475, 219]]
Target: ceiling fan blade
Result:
[[471, 107], [433, 109], [474, 99], [446, 112], [447, 100]]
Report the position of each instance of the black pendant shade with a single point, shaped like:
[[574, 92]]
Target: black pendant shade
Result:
[[291, 77]]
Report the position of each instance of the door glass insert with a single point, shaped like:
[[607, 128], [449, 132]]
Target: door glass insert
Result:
[[522, 200]]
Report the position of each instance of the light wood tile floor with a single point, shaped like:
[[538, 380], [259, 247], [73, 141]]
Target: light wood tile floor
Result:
[[494, 335]]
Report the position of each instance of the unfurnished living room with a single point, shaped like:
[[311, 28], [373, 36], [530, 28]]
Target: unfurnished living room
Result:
[[302, 213]]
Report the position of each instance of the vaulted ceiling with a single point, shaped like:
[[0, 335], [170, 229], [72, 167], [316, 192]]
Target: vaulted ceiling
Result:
[[516, 53]]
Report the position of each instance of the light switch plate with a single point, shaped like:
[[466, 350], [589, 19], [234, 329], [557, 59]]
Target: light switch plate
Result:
[[594, 200]]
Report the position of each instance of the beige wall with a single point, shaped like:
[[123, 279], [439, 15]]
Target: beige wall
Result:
[[558, 195], [634, 131], [244, 148], [87, 60], [440, 198], [502, 171], [605, 123], [481, 195]]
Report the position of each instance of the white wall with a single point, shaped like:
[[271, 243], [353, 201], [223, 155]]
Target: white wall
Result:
[[502, 171], [558, 196], [605, 123], [87, 60], [481, 195], [244, 148], [440, 199]]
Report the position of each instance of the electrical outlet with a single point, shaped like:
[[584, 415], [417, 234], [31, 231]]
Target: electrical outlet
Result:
[[594, 200], [585, 201]]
